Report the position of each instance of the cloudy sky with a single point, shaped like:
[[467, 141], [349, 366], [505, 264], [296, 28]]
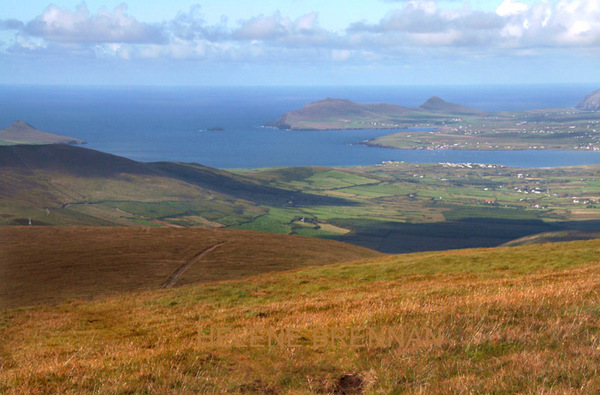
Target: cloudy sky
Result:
[[299, 42]]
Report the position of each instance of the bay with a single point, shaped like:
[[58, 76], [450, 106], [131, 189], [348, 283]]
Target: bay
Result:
[[169, 123]]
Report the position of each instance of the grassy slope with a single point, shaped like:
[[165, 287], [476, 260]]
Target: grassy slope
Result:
[[522, 319], [553, 237], [64, 185], [52, 264]]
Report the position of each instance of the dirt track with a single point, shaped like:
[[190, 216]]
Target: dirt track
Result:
[[173, 279]]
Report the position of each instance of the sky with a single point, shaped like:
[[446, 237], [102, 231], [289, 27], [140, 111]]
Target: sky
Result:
[[299, 42]]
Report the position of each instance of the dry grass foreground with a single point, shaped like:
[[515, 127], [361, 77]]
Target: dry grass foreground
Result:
[[52, 264], [520, 319]]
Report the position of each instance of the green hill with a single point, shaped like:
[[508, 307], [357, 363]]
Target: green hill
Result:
[[67, 185]]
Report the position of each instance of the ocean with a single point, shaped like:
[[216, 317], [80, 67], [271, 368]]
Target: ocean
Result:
[[169, 123]]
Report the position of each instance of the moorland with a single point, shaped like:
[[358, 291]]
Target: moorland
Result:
[[511, 319]]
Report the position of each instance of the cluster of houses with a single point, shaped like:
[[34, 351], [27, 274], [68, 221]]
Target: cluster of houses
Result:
[[471, 165]]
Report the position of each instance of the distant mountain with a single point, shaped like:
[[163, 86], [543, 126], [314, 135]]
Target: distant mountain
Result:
[[21, 132], [590, 102], [322, 113], [436, 104], [344, 114]]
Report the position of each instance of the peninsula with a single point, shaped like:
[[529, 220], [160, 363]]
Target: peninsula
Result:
[[21, 132], [453, 126], [330, 114]]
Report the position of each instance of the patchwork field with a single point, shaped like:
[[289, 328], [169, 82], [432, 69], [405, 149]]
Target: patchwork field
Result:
[[399, 207], [393, 207]]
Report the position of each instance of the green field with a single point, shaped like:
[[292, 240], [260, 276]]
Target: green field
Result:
[[526, 130], [399, 207], [392, 207]]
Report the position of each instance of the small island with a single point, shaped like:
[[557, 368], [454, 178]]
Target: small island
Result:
[[453, 126], [21, 132]]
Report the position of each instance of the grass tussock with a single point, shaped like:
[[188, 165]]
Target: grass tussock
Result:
[[522, 319]]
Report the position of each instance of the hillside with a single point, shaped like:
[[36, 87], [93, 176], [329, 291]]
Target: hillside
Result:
[[333, 113], [52, 264], [21, 132], [392, 208], [554, 237], [590, 102], [67, 185], [345, 114], [436, 104], [504, 320]]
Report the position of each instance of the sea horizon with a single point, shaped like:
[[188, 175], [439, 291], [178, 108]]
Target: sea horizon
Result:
[[168, 123]]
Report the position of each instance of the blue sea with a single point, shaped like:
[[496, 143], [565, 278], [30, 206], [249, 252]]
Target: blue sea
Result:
[[169, 123]]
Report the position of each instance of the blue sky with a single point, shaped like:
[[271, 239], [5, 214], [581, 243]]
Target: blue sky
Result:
[[299, 42]]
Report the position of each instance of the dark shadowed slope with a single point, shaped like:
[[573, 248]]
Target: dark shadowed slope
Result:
[[554, 237], [67, 185], [84, 162], [75, 161]]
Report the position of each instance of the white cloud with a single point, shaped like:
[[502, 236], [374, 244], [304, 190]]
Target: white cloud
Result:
[[513, 25], [264, 28], [567, 24], [305, 31], [62, 25], [414, 27], [511, 7]]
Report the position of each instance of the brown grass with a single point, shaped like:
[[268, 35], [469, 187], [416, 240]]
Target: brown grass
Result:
[[52, 264], [522, 319]]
